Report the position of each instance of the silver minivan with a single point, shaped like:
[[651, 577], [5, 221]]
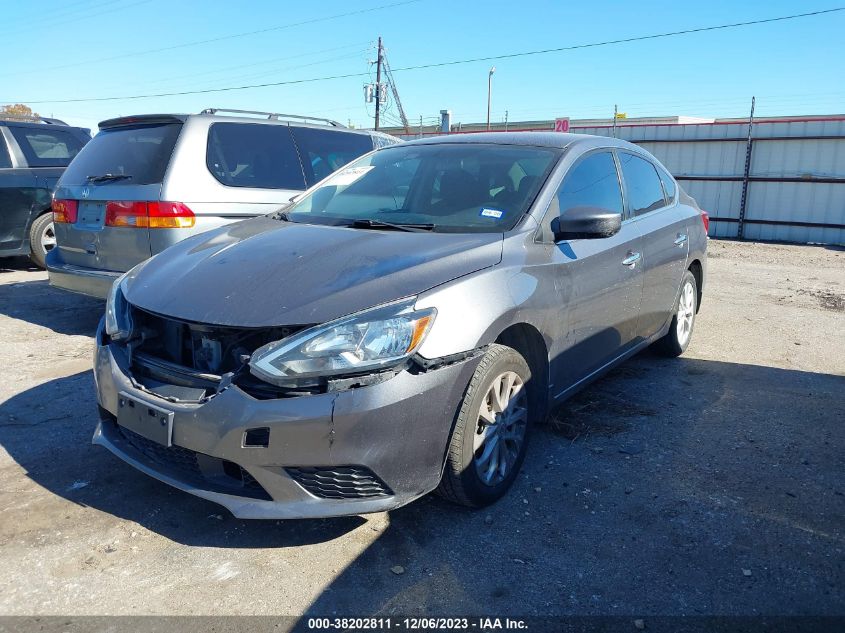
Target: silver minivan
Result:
[[146, 182]]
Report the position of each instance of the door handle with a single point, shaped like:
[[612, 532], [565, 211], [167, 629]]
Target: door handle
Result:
[[681, 239], [632, 259]]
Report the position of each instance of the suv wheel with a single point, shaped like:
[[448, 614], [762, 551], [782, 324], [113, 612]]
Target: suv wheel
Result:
[[490, 437], [42, 238]]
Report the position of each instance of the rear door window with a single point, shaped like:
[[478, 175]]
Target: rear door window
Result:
[[642, 184], [668, 185], [254, 155], [46, 147], [593, 182], [139, 152], [325, 151]]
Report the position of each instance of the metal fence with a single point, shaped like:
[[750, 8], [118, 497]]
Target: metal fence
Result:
[[786, 184]]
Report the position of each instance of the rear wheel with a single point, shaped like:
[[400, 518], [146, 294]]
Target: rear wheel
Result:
[[679, 335], [489, 441], [42, 239]]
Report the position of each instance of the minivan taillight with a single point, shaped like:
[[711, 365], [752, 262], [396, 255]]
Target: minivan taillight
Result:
[[64, 211], [705, 218], [149, 215]]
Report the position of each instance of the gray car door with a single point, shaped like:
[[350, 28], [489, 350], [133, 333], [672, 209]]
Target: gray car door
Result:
[[665, 240], [599, 280]]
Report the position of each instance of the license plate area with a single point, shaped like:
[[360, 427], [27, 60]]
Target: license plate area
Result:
[[91, 215], [149, 421]]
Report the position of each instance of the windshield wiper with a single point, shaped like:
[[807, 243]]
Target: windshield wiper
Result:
[[107, 177], [366, 223], [280, 215]]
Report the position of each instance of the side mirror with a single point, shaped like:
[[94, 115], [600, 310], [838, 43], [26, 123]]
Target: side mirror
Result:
[[586, 223]]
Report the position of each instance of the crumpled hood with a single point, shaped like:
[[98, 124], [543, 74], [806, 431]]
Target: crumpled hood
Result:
[[265, 272]]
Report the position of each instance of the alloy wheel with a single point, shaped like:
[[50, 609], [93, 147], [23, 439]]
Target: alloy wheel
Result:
[[500, 431], [686, 313], [48, 238]]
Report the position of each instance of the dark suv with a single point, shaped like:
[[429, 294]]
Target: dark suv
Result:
[[33, 154]]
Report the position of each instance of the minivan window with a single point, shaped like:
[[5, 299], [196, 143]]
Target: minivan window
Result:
[[668, 185], [473, 188], [326, 151], [46, 147], [141, 152], [641, 183], [5, 159], [593, 182], [254, 155]]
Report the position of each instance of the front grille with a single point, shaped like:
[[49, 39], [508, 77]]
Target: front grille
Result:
[[175, 458], [214, 349], [184, 464], [340, 482]]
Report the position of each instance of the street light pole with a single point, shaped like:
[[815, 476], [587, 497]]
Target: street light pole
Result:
[[489, 91]]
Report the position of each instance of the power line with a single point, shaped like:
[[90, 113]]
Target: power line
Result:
[[625, 40], [447, 63], [47, 22], [223, 37], [263, 62]]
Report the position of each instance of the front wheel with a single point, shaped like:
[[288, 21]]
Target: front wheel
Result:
[[42, 238], [677, 339], [489, 441]]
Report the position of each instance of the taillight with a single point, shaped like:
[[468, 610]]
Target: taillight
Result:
[[705, 218], [64, 211], [149, 215]]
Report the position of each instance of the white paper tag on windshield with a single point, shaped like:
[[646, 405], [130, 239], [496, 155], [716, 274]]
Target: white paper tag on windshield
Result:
[[491, 213], [348, 176]]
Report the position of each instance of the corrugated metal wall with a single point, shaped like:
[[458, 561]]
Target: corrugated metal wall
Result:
[[796, 180]]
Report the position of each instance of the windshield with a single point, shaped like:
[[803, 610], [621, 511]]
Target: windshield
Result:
[[459, 187]]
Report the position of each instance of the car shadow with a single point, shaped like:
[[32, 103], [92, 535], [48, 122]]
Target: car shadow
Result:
[[658, 489], [11, 264], [47, 430], [37, 302], [649, 492]]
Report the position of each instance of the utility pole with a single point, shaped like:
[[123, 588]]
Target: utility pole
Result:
[[749, 146], [489, 90], [421, 127], [506, 120], [378, 82], [615, 112]]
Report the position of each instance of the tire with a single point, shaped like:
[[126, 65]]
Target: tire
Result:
[[469, 479], [676, 340], [42, 238]]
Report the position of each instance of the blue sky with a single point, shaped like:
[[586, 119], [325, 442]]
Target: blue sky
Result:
[[793, 67]]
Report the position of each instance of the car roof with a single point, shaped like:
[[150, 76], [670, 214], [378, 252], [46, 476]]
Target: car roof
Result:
[[556, 140], [32, 121], [221, 118]]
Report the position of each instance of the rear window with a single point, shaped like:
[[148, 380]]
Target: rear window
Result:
[[325, 151], [254, 155], [47, 147], [141, 152]]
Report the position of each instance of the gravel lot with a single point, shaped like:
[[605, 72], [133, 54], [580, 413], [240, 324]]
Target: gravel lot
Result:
[[709, 484]]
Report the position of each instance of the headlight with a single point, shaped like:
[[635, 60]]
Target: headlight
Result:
[[367, 341], [118, 320]]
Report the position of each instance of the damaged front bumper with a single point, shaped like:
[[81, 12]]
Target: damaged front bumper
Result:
[[361, 450]]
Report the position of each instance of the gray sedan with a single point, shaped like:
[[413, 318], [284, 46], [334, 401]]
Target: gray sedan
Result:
[[400, 327]]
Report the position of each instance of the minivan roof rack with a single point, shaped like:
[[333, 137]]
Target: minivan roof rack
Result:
[[27, 117], [275, 115]]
